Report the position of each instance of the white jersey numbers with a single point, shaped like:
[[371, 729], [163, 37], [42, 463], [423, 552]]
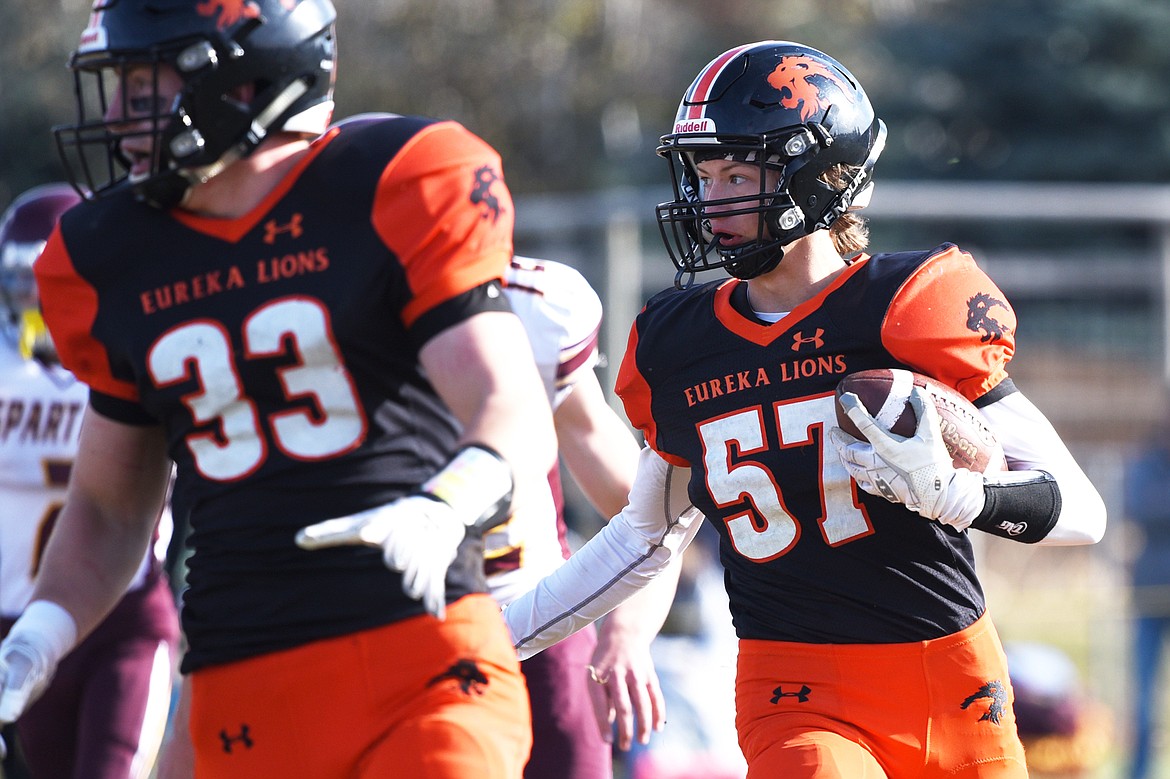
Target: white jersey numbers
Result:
[[319, 375], [768, 529], [771, 531], [333, 422], [203, 348]]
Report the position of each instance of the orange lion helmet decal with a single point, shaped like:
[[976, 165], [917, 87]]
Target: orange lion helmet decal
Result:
[[229, 12], [794, 76]]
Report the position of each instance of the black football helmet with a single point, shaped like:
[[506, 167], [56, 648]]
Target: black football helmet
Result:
[[283, 49], [781, 105], [24, 228]]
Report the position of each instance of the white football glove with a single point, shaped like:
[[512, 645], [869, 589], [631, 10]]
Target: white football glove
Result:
[[30, 654], [916, 471], [419, 536]]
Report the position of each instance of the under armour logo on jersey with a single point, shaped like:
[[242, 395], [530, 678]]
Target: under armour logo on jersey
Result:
[[244, 737], [799, 339], [481, 192], [293, 228], [979, 317], [995, 691], [801, 695], [471, 679]]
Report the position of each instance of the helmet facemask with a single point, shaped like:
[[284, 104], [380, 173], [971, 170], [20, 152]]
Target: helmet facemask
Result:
[[685, 223], [239, 81], [93, 150]]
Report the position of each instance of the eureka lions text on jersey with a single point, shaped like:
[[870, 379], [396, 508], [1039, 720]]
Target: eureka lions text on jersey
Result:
[[279, 351], [747, 406]]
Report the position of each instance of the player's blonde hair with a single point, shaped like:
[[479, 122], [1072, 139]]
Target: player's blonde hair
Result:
[[850, 233]]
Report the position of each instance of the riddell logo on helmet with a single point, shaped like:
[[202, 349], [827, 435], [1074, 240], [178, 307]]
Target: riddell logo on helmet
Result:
[[793, 75], [695, 126], [93, 37]]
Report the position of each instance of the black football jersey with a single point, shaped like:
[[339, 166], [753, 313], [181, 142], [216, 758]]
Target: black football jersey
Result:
[[279, 351], [747, 406]]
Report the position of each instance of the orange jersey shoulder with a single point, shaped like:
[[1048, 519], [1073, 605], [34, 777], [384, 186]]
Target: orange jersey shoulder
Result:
[[949, 320], [70, 307], [442, 206]]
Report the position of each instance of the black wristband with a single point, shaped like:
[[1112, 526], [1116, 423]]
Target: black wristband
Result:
[[1022, 510]]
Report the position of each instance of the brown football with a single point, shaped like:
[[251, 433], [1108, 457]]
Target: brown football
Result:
[[885, 393]]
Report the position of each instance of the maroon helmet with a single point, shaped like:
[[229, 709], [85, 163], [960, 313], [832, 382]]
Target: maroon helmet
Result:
[[25, 227]]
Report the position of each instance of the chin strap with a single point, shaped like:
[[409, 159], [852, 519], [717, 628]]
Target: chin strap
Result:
[[172, 189], [737, 269]]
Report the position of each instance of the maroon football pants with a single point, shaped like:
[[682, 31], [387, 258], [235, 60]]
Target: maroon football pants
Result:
[[105, 711]]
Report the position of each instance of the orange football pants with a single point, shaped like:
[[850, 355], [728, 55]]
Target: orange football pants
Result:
[[419, 698], [940, 708]]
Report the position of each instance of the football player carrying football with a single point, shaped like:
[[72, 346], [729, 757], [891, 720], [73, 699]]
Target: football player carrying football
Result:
[[104, 712], [866, 649], [310, 324]]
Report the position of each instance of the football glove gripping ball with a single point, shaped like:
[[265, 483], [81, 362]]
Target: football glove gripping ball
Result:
[[915, 471]]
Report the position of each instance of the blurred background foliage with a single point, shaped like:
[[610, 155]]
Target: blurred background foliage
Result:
[[575, 93]]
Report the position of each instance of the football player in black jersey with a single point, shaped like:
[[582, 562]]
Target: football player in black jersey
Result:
[[310, 325], [866, 649]]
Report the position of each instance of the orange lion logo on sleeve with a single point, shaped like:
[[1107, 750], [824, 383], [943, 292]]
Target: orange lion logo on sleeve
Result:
[[794, 76]]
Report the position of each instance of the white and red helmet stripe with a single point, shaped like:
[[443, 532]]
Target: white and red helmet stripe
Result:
[[701, 89]]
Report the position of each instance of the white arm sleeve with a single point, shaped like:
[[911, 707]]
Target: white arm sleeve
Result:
[[634, 547], [1031, 444]]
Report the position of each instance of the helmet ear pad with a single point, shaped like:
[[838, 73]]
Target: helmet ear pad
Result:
[[802, 184], [213, 107]]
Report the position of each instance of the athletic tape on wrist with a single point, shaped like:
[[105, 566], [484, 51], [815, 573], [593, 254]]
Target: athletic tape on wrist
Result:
[[1023, 507], [51, 624], [477, 484]]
